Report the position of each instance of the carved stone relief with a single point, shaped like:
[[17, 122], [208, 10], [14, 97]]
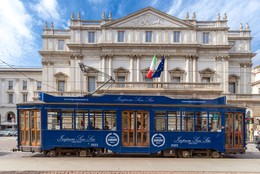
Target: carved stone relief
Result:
[[149, 20]]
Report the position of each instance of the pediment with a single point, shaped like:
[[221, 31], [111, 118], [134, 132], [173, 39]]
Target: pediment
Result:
[[207, 71], [91, 70], [121, 70], [177, 71], [149, 18], [60, 75], [145, 70]]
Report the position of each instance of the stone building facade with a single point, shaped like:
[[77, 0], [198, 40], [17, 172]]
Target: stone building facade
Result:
[[203, 59], [17, 85]]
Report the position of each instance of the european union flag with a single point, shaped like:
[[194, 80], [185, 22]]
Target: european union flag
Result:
[[159, 69]]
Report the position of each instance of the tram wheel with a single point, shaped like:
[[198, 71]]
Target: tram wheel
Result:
[[51, 153], [215, 154], [183, 154]]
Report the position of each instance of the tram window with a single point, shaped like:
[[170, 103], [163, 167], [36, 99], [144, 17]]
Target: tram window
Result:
[[187, 121], [202, 121], [81, 120], [109, 120], [67, 120], [38, 120], [22, 119], [174, 120], [53, 120], [95, 120], [214, 122], [160, 121]]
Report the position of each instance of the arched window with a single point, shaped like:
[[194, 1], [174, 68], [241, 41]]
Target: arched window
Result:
[[11, 117], [233, 83]]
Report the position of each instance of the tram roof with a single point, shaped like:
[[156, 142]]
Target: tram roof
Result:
[[129, 99]]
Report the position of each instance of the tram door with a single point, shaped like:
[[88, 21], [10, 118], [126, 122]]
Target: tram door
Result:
[[135, 128], [30, 127], [234, 130]]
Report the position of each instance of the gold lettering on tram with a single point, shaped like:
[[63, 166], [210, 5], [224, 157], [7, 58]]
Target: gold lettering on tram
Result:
[[135, 128]]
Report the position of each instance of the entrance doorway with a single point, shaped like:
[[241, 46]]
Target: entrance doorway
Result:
[[234, 131], [135, 128]]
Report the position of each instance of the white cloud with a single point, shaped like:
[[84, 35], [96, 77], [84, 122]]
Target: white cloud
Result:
[[16, 33], [256, 59], [48, 9]]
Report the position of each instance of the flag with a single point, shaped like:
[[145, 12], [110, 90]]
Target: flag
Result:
[[159, 69], [152, 68]]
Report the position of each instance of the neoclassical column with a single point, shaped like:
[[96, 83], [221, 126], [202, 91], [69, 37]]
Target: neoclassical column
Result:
[[72, 72], [131, 70], [78, 78], [103, 65], [110, 65], [48, 76], [246, 79], [219, 70], [194, 67], [225, 73], [166, 69], [138, 69], [187, 69]]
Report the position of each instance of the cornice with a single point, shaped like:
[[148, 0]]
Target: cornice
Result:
[[54, 53]]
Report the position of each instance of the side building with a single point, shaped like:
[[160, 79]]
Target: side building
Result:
[[16, 86]]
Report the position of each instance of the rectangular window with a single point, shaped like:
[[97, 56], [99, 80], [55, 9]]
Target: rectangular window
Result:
[[91, 83], [215, 122], [205, 79], [25, 96], [148, 36], [120, 36], [110, 120], [53, 119], [187, 121], [95, 120], [24, 85], [176, 79], [176, 36], [10, 98], [39, 85], [121, 80], [160, 121], [202, 121], [205, 38], [91, 37], [174, 121], [61, 44], [81, 119], [67, 120], [10, 85], [232, 87], [61, 86]]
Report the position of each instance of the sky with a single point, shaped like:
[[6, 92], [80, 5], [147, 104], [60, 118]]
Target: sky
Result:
[[22, 21]]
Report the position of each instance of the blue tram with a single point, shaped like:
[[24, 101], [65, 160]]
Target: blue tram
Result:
[[131, 124]]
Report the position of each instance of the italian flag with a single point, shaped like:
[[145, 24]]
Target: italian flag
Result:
[[152, 68]]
